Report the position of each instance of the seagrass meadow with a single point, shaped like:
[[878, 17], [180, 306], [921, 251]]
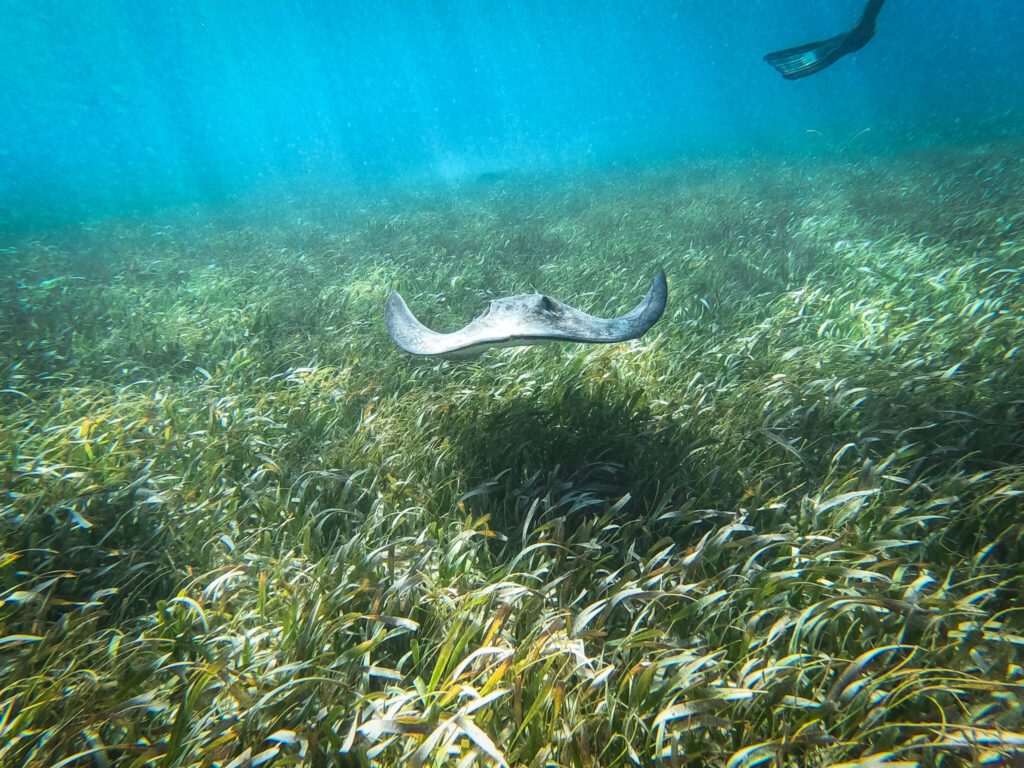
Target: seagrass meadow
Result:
[[240, 528]]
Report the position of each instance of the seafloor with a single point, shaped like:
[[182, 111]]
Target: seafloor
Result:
[[240, 528]]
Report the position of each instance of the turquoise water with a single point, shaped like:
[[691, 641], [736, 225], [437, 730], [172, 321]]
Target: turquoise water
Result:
[[240, 526], [118, 106]]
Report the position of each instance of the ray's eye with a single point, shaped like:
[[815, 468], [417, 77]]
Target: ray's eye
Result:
[[547, 304]]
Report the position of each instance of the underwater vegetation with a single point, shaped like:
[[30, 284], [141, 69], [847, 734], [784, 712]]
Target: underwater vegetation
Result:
[[240, 528]]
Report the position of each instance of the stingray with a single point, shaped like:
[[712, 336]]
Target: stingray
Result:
[[529, 318]]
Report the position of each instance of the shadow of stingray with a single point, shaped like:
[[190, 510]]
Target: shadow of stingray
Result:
[[567, 467]]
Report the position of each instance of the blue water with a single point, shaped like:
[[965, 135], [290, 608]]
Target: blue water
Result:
[[113, 106]]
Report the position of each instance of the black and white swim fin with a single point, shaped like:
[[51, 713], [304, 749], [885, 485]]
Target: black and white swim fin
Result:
[[804, 60]]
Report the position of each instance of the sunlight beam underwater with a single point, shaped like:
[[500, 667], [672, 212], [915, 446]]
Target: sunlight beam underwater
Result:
[[529, 318]]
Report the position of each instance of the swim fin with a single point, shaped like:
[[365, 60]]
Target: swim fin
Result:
[[804, 60]]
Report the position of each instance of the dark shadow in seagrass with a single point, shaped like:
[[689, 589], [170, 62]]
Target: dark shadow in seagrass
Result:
[[109, 550], [578, 464]]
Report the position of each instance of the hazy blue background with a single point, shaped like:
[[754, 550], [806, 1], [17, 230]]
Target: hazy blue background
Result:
[[110, 106]]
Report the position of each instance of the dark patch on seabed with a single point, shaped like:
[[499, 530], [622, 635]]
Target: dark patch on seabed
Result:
[[577, 455]]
